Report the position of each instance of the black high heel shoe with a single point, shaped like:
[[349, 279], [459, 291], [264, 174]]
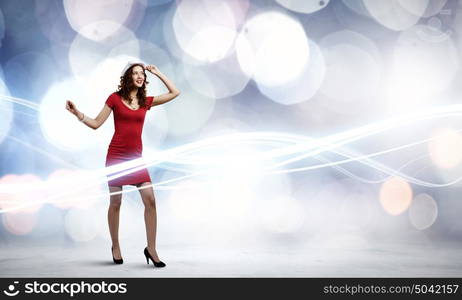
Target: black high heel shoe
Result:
[[116, 261], [159, 264]]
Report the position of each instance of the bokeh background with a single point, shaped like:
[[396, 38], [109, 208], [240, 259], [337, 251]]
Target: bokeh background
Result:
[[301, 125]]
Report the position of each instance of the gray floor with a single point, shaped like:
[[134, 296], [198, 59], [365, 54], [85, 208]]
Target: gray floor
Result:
[[379, 259]]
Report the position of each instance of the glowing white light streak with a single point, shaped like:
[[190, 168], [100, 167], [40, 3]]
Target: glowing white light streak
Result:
[[283, 145]]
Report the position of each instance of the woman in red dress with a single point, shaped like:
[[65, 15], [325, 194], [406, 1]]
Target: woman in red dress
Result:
[[130, 105]]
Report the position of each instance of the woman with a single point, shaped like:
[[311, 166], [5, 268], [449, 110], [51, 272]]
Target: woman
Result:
[[130, 105]]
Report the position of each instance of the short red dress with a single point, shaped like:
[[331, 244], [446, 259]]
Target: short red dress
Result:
[[126, 143]]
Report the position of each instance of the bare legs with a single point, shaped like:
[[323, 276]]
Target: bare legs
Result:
[[113, 219], [150, 218]]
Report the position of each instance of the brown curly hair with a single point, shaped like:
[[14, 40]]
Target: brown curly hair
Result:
[[126, 85]]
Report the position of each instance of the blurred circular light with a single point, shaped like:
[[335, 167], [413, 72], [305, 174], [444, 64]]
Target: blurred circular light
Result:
[[129, 49], [174, 47], [204, 29], [23, 220], [266, 52], [304, 6], [445, 148], [423, 64], [352, 38], [395, 195], [83, 16], [85, 54], [60, 127], [351, 74], [211, 44], [303, 87], [99, 30], [197, 15], [208, 79], [239, 10], [25, 200], [19, 223], [423, 211], [393, 15]]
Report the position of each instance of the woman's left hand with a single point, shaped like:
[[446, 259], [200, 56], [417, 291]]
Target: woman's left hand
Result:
[[153, 69]]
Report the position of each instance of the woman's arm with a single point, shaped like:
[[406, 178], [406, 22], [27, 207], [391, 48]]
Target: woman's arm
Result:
[[173, 91], [92, 123]]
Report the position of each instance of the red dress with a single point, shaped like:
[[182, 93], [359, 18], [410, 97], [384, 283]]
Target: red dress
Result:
[[126, 143]]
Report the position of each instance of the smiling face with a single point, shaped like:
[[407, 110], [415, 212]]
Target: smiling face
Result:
[[133, 80], [138, 76]]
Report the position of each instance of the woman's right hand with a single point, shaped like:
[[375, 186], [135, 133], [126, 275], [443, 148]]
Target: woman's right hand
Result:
[[70, 106]]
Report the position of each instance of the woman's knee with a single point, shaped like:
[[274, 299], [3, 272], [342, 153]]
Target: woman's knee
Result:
[[149, 202], [115, 202], [115, 199]]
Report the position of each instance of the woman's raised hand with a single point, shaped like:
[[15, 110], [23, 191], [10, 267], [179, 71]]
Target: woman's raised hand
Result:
[[153, 69]]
